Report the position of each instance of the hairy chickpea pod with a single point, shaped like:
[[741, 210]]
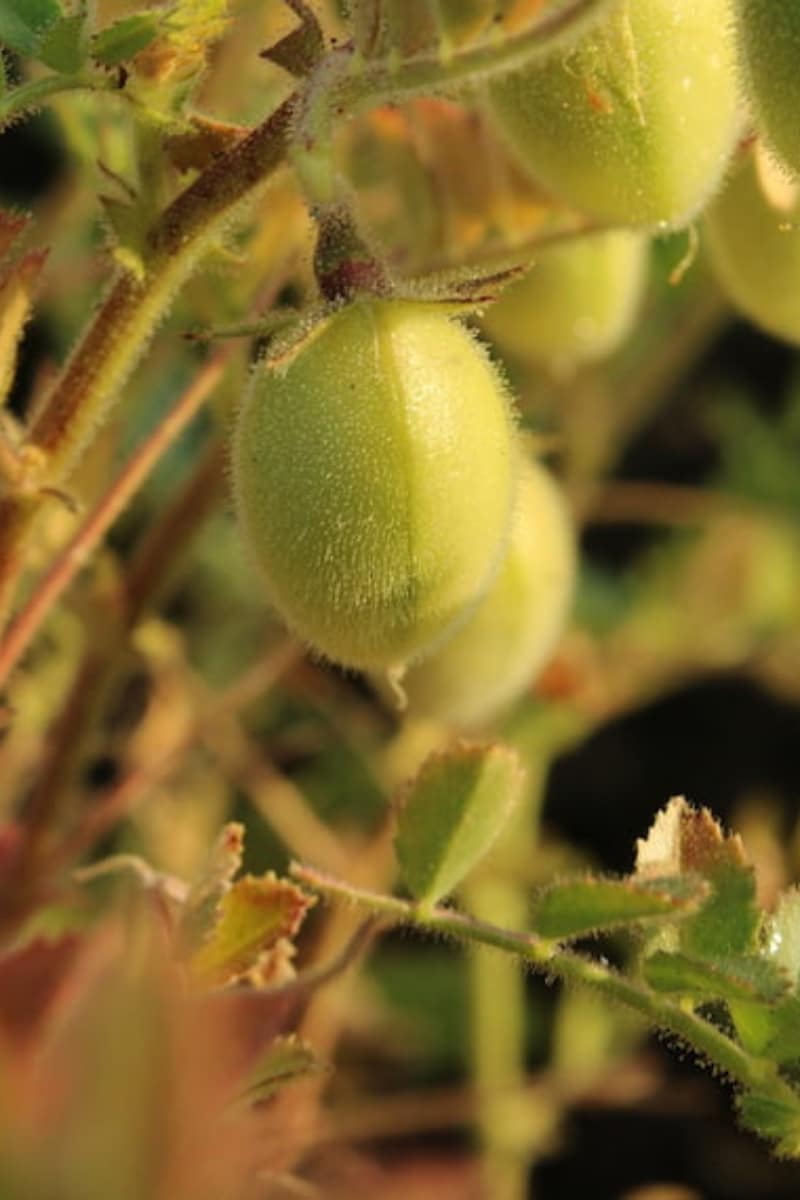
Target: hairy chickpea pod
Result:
[[754, 244], [576, 304], [490, 661], [636, 122], [374, 481], [769, 44]]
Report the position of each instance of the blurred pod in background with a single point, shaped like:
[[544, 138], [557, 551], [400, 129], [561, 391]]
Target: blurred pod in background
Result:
[[434, 185], [769, 50], [494, 657], [636, 122], [577, 303], [753, 235]]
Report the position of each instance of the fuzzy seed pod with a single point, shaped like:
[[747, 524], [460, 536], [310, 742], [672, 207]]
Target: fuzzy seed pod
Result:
[[753, 234], [769, 46], [374, 480], [636, 122], [576, 304], [489, 661]]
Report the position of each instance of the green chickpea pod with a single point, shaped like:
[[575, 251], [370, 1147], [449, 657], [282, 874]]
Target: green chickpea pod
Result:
[[754, 245], [636, 122], [769, 44], [374, 481], [490, 661], [576, 304]]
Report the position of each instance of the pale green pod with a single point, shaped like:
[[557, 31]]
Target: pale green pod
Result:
[[576, 304], [374, 479], [490, 661], [636, 122], [754, 247], [769, 44]]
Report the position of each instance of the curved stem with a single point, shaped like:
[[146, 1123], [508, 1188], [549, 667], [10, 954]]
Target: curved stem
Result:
[[66, 565], [30, 95], [375, 82], [125, 321], [755, 1073]]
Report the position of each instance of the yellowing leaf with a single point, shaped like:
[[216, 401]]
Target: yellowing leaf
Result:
[[285, 1060], [252, 919], [683, 838]]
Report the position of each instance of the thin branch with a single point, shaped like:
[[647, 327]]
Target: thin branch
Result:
[[759, 1074], [116, 338], [164, 543], [75, 554], [117, 802], [27, 96], [653, 503]]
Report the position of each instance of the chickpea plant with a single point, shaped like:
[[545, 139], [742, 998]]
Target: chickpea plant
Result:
[[347, 212]]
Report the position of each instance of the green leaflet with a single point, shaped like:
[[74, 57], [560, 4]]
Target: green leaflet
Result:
[[454, 811]]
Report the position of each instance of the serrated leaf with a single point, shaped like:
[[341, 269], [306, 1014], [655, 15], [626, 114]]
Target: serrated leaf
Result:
[[585, 906], [253, 917], [729, 921], [784, 1045], [64, 45], [755, 1024], [23, 23], [684, 838], [285, 1060], [453, 812], [774, 1119], [122, 41], [746, 978], [213, 881]]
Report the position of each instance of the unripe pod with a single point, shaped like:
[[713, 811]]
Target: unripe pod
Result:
[[374, 481], [576, 304], [635, 124], [754, 246], [769, 41], [489, 661]]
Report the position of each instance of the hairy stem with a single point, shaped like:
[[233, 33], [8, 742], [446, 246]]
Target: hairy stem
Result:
[[118, 335], [20, 100], [752, 1072], [62, 571]]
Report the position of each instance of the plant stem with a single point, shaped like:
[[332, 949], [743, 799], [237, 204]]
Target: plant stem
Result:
[[113, 343], [499, 893], [20, 99], [66, 565], [753, 1072], [117, 802], [497, 1041]]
